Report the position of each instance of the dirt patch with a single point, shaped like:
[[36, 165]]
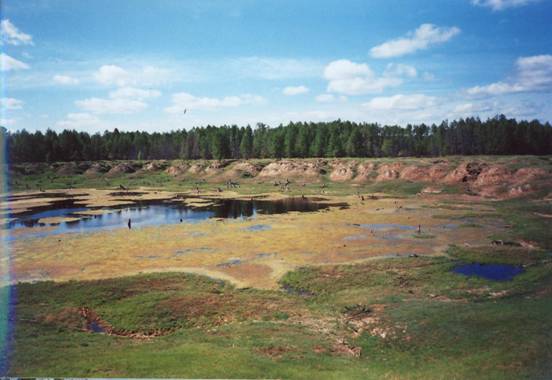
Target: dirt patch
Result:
[[525, 175], [123, 168], [155, 166], [364, 171], [97, 168], [438, 171], [293, 169], [492, 176], [72, 168], [389, 172], [343, 171], [432, 190], [197, 168], [465, 173], [177, 170], [244, 271], [415, 173], [242, 169]]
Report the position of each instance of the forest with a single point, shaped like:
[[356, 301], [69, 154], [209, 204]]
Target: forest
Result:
[[471, 136]]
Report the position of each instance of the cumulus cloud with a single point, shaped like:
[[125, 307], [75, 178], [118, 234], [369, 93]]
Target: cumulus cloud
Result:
[[350, 78], [295, 90], [134, 93], [13, 36], [401, 102], [274, 68], [533, 73], [11, 104], [8, 63], [115, 75], [80, 120], [112, 74], [112, 106], [498, 5], [400, 69], [330, 98], [65, 79], [124, 100], [184, 100], [423, 37]]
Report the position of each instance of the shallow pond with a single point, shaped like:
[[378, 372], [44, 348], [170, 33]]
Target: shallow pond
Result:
[[156, 213], [494, 272]]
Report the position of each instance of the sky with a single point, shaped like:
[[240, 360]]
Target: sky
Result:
[[168, 64]]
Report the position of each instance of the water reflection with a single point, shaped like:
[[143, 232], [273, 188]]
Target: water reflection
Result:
[[152, 214]]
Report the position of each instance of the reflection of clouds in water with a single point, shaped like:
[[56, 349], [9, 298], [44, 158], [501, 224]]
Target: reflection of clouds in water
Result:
[[229, 263], [187, 251], [143, 214], [354, 237], [259, 227]]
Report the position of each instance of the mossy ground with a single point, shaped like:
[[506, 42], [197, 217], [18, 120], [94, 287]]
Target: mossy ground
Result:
[[343, 318], [437, 324]]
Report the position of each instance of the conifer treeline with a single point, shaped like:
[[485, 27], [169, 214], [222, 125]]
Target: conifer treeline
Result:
[[470, 136]]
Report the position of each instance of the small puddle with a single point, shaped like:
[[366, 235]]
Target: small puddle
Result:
[[355, 237], [95, 327], [494, 272], [258, 227], [387, 226]]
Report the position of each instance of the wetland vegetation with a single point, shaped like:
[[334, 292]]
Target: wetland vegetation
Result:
[[392, 272]]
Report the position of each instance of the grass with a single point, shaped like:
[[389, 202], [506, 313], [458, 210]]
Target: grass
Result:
[[415, 318], [438, 324], [526, 224]]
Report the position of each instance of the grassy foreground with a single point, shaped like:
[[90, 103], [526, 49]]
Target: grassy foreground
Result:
[[396, 318]]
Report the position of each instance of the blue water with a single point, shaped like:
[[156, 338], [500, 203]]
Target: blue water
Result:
[[388, 226], [259, 227], [151, 214], [494, 272], [95, 327]]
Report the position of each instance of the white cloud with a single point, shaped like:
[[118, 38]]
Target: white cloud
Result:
[[421, 38], [112, 74], [124, 100], [470, 109], [350, 78], [13, 36], [8, 63], [498, 5], [401, 102], [11, 104], [79, 120], [134, 93], [113, 106], [295, 90], [115, 75], [273, 68], [399, 69], [65, 79], [7, 122], [532, 74], [184, 100], [330, 98]]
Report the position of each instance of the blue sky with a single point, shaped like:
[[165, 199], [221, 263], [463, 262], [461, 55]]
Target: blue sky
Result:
[[96, 65]]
